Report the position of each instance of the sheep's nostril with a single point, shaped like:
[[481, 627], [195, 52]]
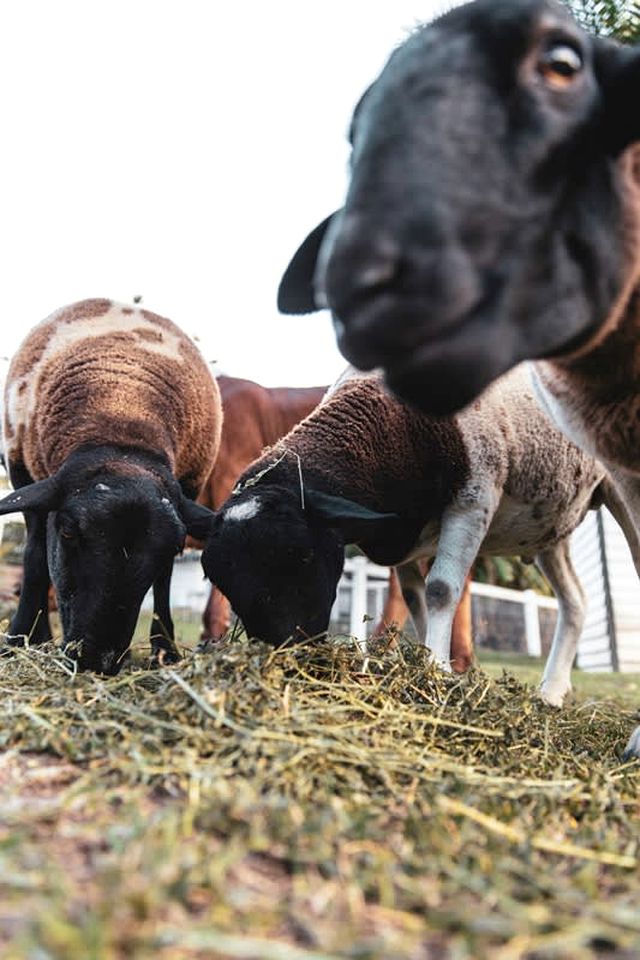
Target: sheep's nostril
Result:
[[377, 274], [359, 268]]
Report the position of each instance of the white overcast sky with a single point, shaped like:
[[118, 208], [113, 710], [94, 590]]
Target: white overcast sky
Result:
[[181, 150]]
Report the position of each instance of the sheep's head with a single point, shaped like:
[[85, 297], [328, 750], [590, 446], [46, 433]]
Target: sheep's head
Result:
[[493, 212], [109, 538], [279, 564]]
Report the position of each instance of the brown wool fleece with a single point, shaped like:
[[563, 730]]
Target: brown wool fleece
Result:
[[98, 372], [364, 444], [368, 446]]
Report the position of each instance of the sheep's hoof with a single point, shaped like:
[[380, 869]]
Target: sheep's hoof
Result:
[[444, 665], [462, 664], [632, 749], [553, 693], [164, 656]]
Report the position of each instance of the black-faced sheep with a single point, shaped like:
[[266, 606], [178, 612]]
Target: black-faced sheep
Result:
[[112, 423], [254, 418], [493, 213], [493, 216], [365, 468]]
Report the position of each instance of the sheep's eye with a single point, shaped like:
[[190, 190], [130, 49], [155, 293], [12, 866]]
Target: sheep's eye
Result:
[[560, 64]]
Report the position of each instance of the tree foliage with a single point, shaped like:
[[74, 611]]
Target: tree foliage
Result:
[[611, 18], [510, 572]]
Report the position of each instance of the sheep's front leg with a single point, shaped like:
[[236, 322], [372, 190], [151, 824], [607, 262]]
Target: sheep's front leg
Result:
[[216, 618], [632, 750], [163, 648], [556, 565], [411, 580], [624, 503], [461, 632], [31, 620], [462, 531]]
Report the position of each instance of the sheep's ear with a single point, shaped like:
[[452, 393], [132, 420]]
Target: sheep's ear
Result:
[[351, 518], [41, 497], [296, 293], [618, 71], [197, 519]]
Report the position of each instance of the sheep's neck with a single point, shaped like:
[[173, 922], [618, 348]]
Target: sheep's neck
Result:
[[598, 394]]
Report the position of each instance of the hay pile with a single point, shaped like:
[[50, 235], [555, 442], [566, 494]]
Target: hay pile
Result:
[[252, 803]]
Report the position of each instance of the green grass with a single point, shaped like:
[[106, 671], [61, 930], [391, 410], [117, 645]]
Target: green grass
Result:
[[260, 804], [187, 631], [622, 687]]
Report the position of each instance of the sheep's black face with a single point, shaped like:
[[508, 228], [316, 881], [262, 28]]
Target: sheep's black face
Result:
[[278, 568], [483, 224], [107, 544]]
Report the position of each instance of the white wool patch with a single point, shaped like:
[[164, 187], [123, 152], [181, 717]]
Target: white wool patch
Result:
[[243, 511], [22, 393]]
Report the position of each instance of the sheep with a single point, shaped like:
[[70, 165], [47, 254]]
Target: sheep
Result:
[[493, 216], [367, 468], [254, 417], [112, 423]]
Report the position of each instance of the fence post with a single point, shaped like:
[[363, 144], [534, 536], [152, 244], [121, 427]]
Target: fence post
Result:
[[359, 601], [532, 623]]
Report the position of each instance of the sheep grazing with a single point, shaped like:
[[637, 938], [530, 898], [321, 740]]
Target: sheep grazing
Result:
[[365, 468], [493, 216], [112, 423], [254, 418]]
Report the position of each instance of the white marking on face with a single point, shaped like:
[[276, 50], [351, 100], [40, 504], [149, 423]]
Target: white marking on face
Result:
[[243, 511]]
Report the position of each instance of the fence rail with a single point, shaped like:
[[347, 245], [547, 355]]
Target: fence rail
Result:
[[362, 591]]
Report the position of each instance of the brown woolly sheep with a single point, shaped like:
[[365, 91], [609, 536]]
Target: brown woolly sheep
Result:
[[366, 468], [112, 424], [255, 417]]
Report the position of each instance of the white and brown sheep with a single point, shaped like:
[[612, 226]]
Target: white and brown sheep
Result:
[[493, 216], [366, 468], [112, 424], [255, 417]]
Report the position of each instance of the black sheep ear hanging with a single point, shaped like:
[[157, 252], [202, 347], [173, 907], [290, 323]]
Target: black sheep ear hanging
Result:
[[40, 497], [297, 293]]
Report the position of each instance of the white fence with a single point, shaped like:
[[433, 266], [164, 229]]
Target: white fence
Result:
[[362, 592]]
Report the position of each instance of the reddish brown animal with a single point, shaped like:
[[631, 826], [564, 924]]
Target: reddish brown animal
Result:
[[396, 613], [256, 417]]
